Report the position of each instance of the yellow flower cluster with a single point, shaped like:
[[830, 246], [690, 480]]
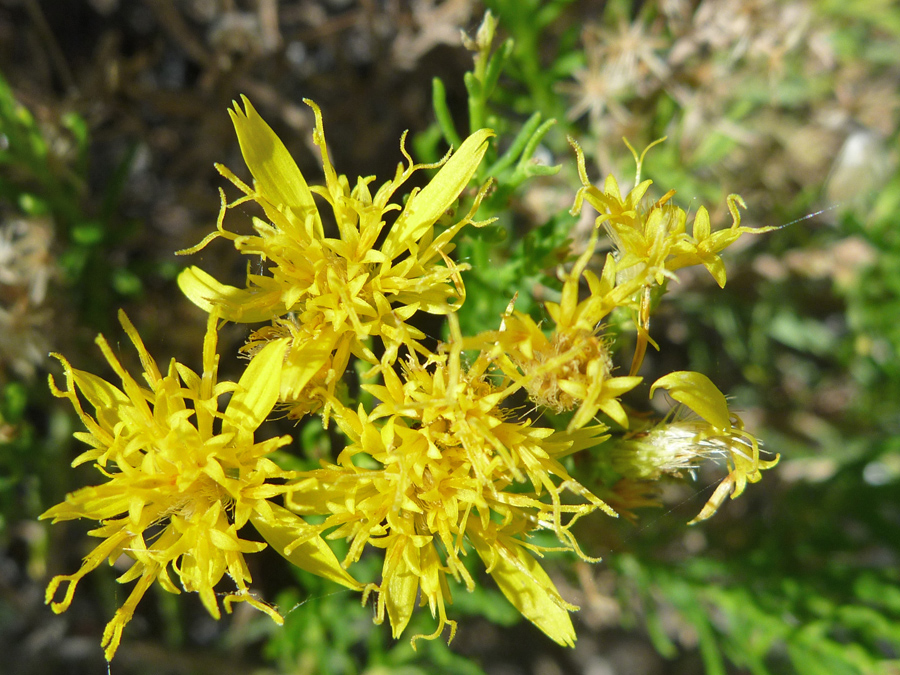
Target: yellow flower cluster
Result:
[[184, 478], [442, 465], [651, 242], [329, 295]]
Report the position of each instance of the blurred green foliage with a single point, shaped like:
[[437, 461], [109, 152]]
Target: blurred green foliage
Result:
[[45, 174]]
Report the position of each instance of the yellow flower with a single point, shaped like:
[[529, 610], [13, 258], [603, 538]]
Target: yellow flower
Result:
[[572, 368], [178, 491], [366, 280], [438, 467], [673, 447], [651, 243]]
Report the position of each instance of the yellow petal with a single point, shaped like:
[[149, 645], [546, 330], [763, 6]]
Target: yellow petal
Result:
[[701, 224], [257, 390], [304, 360], [400, 584], [112, 634], [615, 411], [277, 177], [716, 267], [697, 392], [426, 206], [281, 528], [525, 583], [105, 397], [235, 304], [150, 369], [712, 505]]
